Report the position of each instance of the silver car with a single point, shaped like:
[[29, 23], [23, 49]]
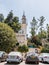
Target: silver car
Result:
[[14, 57], [44, 57], [3, 56]]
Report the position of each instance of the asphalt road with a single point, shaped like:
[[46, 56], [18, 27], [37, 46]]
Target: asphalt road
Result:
[[23, 63]]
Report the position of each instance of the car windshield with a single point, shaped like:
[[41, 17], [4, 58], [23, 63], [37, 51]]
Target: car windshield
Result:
[[14, 53]]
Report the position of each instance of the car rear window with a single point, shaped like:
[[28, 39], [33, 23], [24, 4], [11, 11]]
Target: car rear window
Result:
[[44, 54], [33, 54]]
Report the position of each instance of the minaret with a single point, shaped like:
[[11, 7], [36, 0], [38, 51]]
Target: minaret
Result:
[[24, 28], [24, 24]]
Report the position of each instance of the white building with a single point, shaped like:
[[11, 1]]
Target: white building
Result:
[[22, 35]]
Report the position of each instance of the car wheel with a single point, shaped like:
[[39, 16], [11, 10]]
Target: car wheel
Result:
[[18, 62], [26, 62], [42, 60], [7, 61], [37, 62], [21, 60], [48, 62]]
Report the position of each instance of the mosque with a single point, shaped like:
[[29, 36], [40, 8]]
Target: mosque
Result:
[[22, 34]]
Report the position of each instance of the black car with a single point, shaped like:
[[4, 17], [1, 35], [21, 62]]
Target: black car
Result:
[[31, 58]]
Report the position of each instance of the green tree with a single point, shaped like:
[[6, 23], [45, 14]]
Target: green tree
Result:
[[48, 31], [7, 38], [13, 22], [9, 18], [1, 18], [36, 41], [15, 19], [44, 34], [41, 21], [16, 26], [33, 26]]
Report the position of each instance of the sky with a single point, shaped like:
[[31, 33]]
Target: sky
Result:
[[32, 8]]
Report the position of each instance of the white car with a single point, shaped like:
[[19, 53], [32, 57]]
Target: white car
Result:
[[44, 57], [14, 57], [3, 56]]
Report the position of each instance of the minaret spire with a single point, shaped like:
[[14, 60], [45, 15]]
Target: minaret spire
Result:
[[23, 18], [23, 13]]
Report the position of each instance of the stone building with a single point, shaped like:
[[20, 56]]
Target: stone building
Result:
[[22, 34]]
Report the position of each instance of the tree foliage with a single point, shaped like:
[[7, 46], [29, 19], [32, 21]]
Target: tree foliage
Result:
[[43, 34], [48, 31], [41, 21], [16, 26], [45, 48], [7, 38], [9, 18], [36, 40], [1, 18], [13, 22], [33, 26], [23, 48]]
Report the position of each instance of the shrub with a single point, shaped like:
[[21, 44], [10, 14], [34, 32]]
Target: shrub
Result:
[[23, 48], [45, 50]]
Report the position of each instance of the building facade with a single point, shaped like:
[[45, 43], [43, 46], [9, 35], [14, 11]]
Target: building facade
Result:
[[22, 34]]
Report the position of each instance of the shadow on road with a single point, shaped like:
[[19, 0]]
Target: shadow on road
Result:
[[45, 62], [31, 64], [11, 64], [19, 64]]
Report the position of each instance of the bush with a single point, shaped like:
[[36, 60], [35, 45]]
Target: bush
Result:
[[23, 48], [45, 50], [7, 38]]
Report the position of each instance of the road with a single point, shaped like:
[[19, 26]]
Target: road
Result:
[[23, 63]]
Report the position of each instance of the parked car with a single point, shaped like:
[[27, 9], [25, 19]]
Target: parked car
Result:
[[3, 56], [44, 57], [31, 58], [14, 57]]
